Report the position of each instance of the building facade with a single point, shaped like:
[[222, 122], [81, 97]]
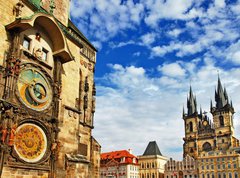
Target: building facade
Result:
[[181, 169], [212, 143], [47, 93], [152, 162], [119, 164], [219, 164]]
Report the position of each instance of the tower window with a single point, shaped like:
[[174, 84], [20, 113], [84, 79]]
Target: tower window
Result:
[[26, 43], [45, 54], [190, 126], [221, 121], [207, 147]]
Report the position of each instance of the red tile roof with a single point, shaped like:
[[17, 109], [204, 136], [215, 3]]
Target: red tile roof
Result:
[[117, 155]]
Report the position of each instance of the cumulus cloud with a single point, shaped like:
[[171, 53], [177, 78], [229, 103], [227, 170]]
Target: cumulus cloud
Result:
[[172, 70], [140, 108], [175, 32], [106, 18], [148, 38]]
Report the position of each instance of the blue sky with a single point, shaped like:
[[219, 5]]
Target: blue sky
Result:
[[149, 51]]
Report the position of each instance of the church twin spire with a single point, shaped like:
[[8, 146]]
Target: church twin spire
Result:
[[221, 98]]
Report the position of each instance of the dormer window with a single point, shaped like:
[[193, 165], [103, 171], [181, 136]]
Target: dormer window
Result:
[[26, 43], [44, 54], [122, 159]]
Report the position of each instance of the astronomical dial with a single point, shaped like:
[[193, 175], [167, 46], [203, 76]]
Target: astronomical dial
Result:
[[34, 89], [30, 142]]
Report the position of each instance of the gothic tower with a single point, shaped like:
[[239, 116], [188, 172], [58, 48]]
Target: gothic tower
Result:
[[223, 118], [191, 120], [201, 135]]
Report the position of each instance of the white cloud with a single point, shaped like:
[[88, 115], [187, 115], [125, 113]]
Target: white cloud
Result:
[[233, 53], [106, 18], [131, 114], [167, 10], [172, 70], [148, 38], [220, 3], [121, 44], [175, 32]]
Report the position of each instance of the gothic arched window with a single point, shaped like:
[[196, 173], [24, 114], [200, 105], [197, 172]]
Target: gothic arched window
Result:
[[221, 121], [190, 126], [207, 146]]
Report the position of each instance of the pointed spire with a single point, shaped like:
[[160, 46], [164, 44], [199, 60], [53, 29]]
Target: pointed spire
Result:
[[220, 95], [191, 103], [211, 105], [183, 114]]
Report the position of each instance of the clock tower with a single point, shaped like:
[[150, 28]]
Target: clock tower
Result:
[[47, 93]]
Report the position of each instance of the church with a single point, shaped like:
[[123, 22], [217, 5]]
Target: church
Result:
[[47, 93], [212, 143]]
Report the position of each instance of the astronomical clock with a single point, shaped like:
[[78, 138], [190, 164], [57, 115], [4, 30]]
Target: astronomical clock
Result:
[[47, 93], [31, 94]]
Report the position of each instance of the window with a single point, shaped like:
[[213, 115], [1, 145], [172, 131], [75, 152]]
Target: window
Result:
[[221, 121], [212, 175], [219, 175], [207, 146], [224, 175], [26, 42], [190, 126], [229, 175], [45, 54], [223, 166], [229, 166], [222, 140], [235, 175]]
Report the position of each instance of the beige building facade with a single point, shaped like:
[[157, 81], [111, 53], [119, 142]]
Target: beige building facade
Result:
[[220, 164], [187, 168], [152, 162], [47, 93]]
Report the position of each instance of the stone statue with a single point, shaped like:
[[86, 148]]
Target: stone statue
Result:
[[17, 9], [37, 50]]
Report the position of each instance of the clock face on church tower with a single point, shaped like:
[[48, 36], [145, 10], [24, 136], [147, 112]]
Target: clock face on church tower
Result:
[[34, 89]]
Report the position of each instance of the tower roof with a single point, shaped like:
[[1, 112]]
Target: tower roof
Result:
[[221, 96], [191, 103], [152, 149]]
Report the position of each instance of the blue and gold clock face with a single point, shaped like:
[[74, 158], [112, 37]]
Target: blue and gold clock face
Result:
[[34, 89]]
